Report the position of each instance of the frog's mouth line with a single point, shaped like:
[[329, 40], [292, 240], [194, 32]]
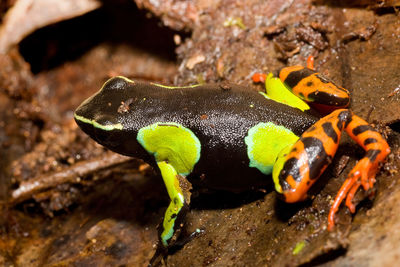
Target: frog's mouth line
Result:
[[95, 124]]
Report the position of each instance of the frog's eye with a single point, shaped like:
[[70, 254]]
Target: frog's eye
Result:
[[117, 83]]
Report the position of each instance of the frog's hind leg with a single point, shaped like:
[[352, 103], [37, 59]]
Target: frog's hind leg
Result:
[[298, 167], [365, 170]]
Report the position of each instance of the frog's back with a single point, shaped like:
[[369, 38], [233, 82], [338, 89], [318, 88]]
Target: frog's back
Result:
[[221, 117]]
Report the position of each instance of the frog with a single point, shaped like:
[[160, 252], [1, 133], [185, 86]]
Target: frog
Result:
[[225, 136]]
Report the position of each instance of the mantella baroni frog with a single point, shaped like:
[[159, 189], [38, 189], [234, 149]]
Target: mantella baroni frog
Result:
[[225, 136]]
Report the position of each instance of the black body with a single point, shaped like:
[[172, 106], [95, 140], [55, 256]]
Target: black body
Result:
[[220, 116]]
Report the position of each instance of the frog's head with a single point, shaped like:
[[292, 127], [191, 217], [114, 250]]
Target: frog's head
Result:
[[101, 116]]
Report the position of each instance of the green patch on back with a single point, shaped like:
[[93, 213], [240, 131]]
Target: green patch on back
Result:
[[264, 142], [173, 143]]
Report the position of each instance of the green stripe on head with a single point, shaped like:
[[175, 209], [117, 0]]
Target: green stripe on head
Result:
[[107, 127]]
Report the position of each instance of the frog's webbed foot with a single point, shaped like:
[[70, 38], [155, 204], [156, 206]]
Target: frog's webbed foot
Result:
[[186, 239], [160, 253], [363, 174]]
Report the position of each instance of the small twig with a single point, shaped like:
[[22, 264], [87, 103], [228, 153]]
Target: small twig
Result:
[[372, 108], [71, 174]]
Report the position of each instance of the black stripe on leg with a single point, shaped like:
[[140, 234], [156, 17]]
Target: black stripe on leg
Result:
[[295, 77], [317, 156], [370, 141], [362, 128], [291, 167], [330, 131], [372, 154], [328, 99]]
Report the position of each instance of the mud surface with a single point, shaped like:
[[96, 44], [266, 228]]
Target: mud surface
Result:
[[92, 208]]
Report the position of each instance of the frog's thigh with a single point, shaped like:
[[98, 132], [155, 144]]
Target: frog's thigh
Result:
[[297, 168], [264, 142], [176, 150]]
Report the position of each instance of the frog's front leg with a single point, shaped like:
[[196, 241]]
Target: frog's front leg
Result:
[[298, 167], [176, 150], [178, 189]]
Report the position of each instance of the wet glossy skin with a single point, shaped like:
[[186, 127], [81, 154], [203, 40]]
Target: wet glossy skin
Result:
[[219, 117]]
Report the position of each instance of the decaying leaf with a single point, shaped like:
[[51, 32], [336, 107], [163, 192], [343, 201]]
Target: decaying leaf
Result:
[[26, 16]]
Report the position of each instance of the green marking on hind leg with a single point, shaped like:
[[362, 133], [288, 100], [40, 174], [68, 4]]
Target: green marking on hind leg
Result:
[[264, 142], [278, 166]]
